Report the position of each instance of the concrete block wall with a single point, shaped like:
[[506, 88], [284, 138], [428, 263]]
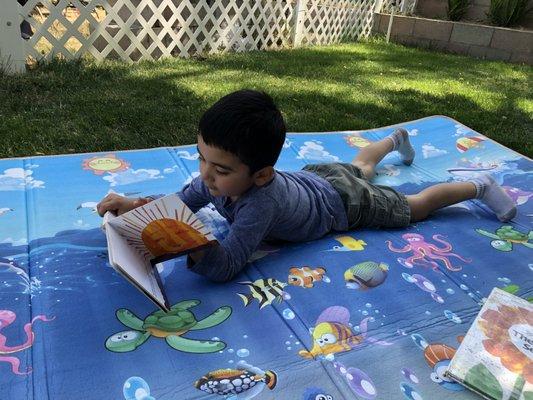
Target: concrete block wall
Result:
[[480, 41], [476, 12]]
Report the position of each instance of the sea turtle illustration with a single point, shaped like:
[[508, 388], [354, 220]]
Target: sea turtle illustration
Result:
[[505, 236], [170, 325]]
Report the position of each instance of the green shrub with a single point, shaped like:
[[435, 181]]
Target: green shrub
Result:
[[507, 12], [457, 9]]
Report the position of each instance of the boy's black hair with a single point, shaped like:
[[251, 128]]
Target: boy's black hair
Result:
[[247, 124]]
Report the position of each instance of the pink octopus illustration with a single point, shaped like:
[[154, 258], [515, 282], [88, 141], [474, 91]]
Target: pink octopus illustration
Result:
[[6, 318], [425, 253]]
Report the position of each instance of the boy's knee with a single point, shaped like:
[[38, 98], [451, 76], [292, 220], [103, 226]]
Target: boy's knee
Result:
[[365, 167]]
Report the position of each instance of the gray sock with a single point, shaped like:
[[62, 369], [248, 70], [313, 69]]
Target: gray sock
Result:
[[401, 143], [493, 196]]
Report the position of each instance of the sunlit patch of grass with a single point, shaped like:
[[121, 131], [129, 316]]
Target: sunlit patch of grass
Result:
[[83, 106]]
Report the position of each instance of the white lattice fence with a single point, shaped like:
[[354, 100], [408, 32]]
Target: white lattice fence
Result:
[[330, 21], [149, 29], [401, 6]]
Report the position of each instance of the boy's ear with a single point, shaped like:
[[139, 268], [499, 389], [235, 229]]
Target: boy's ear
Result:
[[263, 176]]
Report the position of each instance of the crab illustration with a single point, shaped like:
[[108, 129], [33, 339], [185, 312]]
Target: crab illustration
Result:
[[505, 236], [170, 325]]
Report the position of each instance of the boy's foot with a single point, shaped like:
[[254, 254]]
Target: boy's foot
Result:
[[400, 142], [491, 194]]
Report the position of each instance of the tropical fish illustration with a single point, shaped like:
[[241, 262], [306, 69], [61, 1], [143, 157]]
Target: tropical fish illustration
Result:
[[307, 276], [265, 291], [332, 333], [246, 382], [349, 244], [366, 275], [468, 142]]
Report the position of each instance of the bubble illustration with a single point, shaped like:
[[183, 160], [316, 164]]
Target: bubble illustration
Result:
[[360, 383], [243, 353], [409, 375], [288, 314], [419, 341], [136, 388], [409, 392], [452, 316], [424, 284]]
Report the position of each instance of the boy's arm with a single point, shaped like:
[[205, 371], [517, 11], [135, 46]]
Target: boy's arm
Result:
[[221, 263], [195, 194]]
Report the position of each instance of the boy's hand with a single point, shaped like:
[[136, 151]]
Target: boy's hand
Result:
[[119, 204]]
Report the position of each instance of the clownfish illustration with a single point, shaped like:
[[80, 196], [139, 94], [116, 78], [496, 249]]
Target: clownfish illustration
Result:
[[307, 276], [247, 381], [265, 291]]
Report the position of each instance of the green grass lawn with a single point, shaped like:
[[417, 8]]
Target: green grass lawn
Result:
[[83, 106]]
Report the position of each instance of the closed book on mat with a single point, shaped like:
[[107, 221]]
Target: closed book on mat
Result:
[[495, 358]]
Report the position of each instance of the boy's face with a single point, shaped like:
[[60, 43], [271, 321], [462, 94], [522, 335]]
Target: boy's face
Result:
[[222, 172]]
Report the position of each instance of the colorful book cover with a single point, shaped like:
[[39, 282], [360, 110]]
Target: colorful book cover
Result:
[[160, 230], [495, 358]]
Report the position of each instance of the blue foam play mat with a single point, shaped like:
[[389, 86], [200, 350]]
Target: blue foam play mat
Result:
[[369, 314]]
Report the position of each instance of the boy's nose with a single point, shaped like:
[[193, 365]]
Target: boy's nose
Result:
[[206, 174]]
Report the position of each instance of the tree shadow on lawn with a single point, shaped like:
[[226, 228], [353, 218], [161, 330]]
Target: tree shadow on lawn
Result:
[[334, 64], [78, 108], [319, 112], [75, 107]]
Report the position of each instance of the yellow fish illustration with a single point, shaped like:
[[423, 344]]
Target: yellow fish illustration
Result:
[[332, 333], [349, 243]]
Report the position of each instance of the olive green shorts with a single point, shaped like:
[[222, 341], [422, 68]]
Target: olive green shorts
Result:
[[366, 204]]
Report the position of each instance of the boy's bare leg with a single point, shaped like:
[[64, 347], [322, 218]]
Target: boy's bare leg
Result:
[[441, 195], [438, 196], [371, 155]]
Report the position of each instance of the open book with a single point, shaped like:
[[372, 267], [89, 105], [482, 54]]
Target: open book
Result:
[[495, 359], [160, 230]]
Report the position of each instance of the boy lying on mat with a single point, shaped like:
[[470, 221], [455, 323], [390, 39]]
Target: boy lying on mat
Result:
[[240, 138]]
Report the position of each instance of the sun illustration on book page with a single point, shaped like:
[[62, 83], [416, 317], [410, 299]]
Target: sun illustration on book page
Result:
[[164, 227]]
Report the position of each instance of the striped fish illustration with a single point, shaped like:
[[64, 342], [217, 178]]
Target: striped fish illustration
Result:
[[265, 291]]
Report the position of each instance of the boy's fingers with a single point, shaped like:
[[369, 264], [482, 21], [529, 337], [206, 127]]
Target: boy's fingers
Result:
[[141, 201], [107, 205]]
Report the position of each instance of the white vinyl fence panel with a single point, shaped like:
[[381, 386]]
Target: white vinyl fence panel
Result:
[[135, 30]]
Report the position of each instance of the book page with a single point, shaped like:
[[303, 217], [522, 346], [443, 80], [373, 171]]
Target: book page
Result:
[[502, 331], [163, 226], [137, 269]]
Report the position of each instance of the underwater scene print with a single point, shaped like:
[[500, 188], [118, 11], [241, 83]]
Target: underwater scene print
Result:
[[367, 314]]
